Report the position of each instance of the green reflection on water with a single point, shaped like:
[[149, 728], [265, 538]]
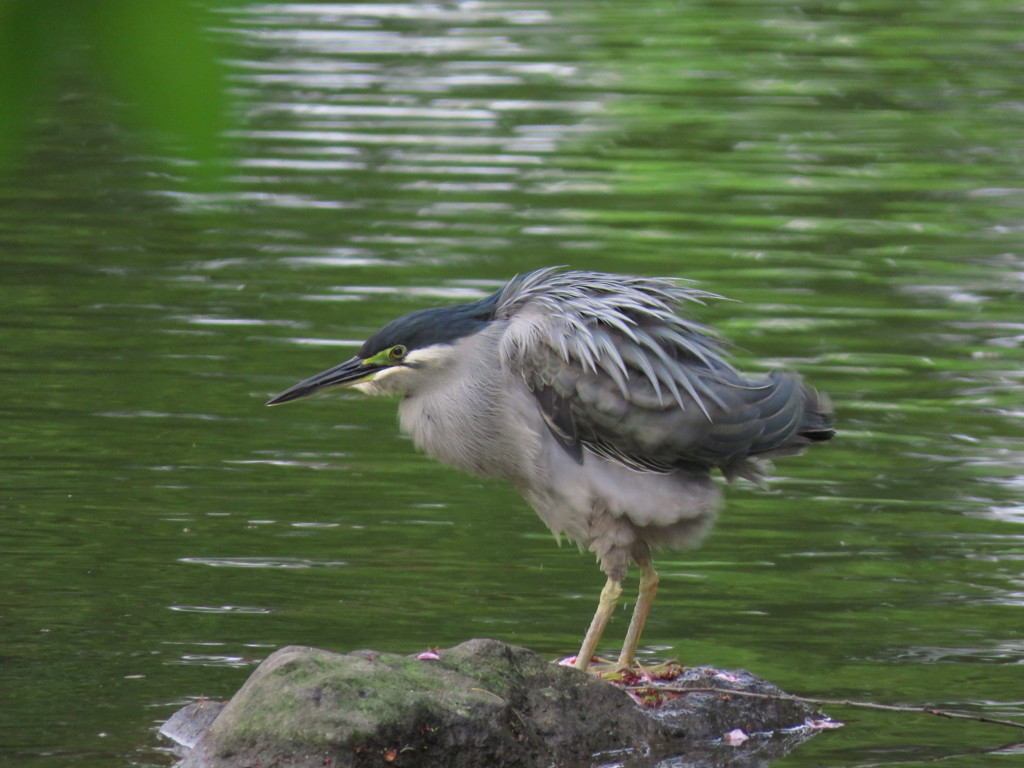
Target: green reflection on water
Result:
[[848, 174]]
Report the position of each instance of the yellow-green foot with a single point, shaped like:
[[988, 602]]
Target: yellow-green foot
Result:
[[617, 672]]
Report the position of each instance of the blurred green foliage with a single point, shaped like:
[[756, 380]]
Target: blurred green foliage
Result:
[[158, 56]]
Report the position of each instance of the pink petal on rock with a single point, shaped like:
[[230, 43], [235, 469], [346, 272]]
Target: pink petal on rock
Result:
[[568, 661], [735, 737], [429, 656]]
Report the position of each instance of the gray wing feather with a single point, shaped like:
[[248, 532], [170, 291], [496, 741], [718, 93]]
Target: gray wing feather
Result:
[[616, 370]]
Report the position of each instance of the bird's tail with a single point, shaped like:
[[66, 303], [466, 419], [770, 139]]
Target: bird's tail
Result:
[[795, 415], [816, 426]]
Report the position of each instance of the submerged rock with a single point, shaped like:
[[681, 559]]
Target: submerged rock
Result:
[[481, 703]]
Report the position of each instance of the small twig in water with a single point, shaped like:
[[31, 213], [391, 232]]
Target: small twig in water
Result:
[[845, 703]]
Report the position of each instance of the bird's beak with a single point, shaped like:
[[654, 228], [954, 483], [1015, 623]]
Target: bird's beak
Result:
[[343, 375]]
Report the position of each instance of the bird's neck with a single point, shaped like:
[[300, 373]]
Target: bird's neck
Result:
[[457, 415]]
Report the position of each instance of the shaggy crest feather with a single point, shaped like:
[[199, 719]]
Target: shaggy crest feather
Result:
[[577, 312]]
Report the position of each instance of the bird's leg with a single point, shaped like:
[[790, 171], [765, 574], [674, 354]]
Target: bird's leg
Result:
[[648, 589], [609, 597]]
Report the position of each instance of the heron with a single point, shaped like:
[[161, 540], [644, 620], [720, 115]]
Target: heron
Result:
[[601, 400]]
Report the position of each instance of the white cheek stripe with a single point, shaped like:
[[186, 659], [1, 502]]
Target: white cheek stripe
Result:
[[374, 386], [384, 373], [428, 355]]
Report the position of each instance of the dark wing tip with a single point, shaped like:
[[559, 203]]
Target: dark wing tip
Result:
[[816, 425]]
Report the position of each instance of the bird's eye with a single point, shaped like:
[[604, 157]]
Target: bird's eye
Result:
[[397, 352]]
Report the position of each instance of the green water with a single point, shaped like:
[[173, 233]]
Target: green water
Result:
[[851, 172]]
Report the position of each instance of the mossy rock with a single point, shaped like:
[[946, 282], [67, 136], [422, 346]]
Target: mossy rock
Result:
[[480, 703]]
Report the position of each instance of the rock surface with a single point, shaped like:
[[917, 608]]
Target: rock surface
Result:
[[481, 703]]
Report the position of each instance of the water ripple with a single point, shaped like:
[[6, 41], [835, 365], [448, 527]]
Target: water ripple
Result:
[[249, 562]]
